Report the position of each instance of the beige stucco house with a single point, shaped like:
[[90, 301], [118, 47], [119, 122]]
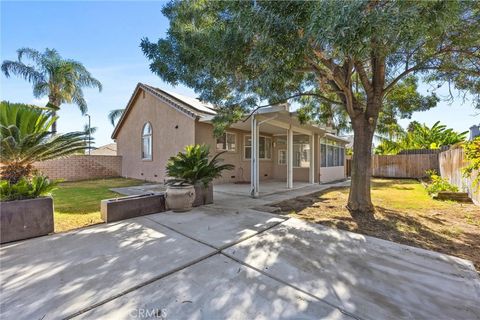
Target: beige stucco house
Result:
[[271, 144]]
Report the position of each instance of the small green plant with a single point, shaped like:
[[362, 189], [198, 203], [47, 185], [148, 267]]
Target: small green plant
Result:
[[26, 188], [438, 184], [472, 154], [193, 166]]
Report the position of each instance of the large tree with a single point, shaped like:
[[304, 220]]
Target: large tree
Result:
[[62, 80], [348, 54]]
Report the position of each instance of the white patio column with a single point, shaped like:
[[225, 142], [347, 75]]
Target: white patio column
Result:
[[311, 170], [290, 158], [254, 158]]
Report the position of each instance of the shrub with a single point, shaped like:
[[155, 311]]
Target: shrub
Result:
[[438, 184], [193, 166], [472, 154], [26, 188]]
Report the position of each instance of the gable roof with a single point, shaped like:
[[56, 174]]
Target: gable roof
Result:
[[191, 107]]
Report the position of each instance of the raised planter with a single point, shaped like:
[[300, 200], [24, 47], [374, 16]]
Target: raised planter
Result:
[[24, 219], [453, 196], [133, 206], [203, 195]]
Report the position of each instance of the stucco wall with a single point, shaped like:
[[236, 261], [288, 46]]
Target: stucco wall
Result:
[[299, 174], [172, 130], [241, 173], [81, 167], [328, 174]]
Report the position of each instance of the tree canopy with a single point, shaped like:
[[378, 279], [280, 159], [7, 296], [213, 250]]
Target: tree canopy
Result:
[[354, 61], [61, 80], [421, 136]]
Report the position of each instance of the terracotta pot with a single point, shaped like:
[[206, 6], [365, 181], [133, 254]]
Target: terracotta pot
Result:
[[180, 198]]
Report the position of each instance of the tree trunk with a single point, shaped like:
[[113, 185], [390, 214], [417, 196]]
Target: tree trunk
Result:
[[13, 172], [54, 105], [359, 199], [54, 124]]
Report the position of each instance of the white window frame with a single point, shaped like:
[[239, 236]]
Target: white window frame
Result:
[[225, 134], [336, 147], [148, 136], [279, 157], [245, 138]]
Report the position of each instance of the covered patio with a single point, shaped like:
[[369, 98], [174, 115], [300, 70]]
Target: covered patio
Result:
[[282, 153]]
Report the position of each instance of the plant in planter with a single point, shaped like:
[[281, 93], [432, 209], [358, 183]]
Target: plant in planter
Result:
[[193, 172], [25, 137]]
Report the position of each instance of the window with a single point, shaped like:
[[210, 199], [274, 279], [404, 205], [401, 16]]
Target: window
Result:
[[282, 156], [332, 154], [147, 141], [264, 148], [301, 151], [227, 142]]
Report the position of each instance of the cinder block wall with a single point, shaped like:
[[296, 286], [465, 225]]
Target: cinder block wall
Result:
[[82, 167]]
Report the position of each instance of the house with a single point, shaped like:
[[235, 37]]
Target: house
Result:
[[474, 131], [105, 150], [271, 144]]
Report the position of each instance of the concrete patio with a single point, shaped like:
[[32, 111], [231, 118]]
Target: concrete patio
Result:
[[228, 261]]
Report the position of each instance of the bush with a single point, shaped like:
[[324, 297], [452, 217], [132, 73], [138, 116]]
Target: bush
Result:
[[472, 154], [193, 166], [438, 184], [26, 188]]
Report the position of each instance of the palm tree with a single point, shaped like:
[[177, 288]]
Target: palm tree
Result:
[[194, 166], [114, 115], [62, 80], [25, 138]]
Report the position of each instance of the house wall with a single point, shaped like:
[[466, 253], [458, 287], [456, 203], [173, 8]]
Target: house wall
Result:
[[172, 130], [299, 174], [241, 173], [328, 174]]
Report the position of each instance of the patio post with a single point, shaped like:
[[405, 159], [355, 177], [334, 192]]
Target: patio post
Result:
[[311, 170], [254, 158], [290, 158]]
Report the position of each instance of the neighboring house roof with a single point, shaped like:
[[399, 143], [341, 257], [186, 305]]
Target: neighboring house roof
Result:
[[106, 150], [189, 106]]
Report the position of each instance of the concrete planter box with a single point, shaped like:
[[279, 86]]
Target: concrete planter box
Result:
[[131, 207], [453, 196], [203, 195], [24, 219]]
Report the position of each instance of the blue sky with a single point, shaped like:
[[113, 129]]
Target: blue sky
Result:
[[105, 37]]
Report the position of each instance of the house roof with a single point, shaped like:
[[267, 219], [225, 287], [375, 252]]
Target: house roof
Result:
[[187, 105], [108, 149]]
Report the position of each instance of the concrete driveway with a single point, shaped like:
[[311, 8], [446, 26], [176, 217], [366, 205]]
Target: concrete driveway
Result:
[[225, 263]]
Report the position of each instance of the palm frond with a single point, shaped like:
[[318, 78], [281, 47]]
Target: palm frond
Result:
[[114, 115]]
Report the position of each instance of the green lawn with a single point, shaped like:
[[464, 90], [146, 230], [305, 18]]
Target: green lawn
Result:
[[77, 204]]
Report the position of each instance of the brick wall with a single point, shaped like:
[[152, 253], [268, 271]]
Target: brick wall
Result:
[[82, 167]]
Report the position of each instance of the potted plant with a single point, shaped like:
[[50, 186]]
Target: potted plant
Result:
[[26, 208], [191, 174], [25, 138]]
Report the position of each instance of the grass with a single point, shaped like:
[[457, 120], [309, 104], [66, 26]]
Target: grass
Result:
[[404, 214], [77, 204]]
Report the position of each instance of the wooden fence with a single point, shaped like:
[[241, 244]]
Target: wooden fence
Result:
[[403, 165], [451, 163]]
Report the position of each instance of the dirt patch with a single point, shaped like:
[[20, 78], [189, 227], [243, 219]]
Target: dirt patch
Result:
[[404, 214]]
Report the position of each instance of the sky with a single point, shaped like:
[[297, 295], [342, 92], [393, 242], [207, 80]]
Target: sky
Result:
[[105, 37]]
